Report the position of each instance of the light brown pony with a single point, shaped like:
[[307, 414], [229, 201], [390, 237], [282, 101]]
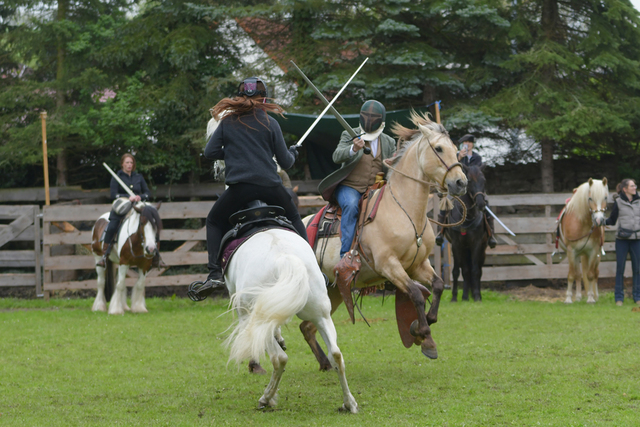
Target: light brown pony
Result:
[[396, 246], [581, 229]]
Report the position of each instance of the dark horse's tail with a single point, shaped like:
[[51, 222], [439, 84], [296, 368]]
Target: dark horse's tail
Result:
[[108, 280]]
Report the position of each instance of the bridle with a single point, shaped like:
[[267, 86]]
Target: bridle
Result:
[[428, 183]]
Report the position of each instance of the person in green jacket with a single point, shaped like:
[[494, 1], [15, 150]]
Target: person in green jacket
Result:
[[346, 185]]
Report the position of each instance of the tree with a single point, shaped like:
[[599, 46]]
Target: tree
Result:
[[49, 65], [572, 82]]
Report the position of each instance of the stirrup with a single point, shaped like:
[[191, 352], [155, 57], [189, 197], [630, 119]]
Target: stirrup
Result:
[[199, 291]]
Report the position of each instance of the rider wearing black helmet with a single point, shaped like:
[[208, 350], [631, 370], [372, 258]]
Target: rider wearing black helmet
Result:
[[247, 139], [359, 170]]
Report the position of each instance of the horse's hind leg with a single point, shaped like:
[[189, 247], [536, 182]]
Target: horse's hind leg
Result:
[[279, 360], [255, 367], [329, 335], [100, 304], [138, 304], [309, 330]]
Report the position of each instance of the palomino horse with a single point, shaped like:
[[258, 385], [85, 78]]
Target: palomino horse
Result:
[[287, 283], [396, 246], [135, 246], [469, 239], [581, 233]]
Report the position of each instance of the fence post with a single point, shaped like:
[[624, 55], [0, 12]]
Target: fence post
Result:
[[547, 213], [37, 248]]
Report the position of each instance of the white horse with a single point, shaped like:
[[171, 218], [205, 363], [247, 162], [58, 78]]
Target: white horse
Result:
[[136, 245], [273, 276]]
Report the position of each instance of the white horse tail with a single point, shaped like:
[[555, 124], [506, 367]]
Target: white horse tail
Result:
[[270, 305]]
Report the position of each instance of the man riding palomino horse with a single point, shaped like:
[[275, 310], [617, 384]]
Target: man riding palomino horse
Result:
[[247, 139], [359, 170], [122, 200], [468, 157]]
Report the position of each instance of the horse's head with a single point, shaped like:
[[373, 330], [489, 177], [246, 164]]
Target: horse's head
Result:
[[435, 153], [476, 183], [151, 225], [597, 199]]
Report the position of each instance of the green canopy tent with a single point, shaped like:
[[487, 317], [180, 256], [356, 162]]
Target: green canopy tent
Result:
[[325, 136]]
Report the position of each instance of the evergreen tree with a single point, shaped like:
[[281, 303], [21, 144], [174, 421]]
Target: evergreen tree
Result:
[[574, 78]]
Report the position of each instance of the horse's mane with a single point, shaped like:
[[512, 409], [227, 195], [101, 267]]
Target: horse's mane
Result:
[[152, 215], [410, 136], [579, 203]]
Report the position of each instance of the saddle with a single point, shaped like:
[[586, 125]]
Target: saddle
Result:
[[258, 217], [326, 223]]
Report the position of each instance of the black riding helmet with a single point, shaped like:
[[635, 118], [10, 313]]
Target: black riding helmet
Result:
[[252, 86]]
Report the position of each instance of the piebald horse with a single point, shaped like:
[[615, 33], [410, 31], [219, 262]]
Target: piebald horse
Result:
[[396, 246], [271, 277], [135, 246], [581, 233]]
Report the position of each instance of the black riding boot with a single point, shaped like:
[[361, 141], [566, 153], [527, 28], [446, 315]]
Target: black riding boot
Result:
[[440, 237], [199, 291], [492, 242], [112, 230], [103, 261]]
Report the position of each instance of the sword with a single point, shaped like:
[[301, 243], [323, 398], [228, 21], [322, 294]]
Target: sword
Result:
[[117, 178], [341, 120], [499, 222], [330, 104]]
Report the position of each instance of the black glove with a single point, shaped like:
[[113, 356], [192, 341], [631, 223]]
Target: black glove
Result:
[[294, 150]]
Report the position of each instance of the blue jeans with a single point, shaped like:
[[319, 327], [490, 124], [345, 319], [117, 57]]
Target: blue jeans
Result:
[[348, 199], [624, 247]]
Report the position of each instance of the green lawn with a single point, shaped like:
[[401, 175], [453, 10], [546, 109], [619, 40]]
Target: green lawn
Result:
[[501, 362]]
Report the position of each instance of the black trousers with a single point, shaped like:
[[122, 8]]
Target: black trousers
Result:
[[234, 199], [112, 228]]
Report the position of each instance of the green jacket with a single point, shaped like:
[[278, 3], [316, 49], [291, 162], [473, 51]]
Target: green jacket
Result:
[[341, 155]]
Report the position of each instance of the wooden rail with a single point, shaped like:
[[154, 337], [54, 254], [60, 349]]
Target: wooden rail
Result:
[[24, 226], [524, 257]]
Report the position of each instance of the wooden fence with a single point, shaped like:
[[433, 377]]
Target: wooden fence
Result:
[[528, 256], [23, 226]]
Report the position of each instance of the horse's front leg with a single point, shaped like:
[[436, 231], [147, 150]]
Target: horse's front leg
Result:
[[394, 271], [100, 304], [477, 258], [467, 274], [118, 302], [426, 274], [590, 270], [571, 278], [309, 330], [138, 304], [455, 272]]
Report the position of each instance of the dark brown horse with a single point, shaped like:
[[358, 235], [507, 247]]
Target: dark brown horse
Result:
[[469, 239], [136, 245]]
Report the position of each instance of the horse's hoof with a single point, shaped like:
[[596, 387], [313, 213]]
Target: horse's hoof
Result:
[[568, 301], [255, 368], [325, 367], [431, 353], [353, 409]]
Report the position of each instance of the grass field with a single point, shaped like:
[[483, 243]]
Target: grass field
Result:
[[501, 362]]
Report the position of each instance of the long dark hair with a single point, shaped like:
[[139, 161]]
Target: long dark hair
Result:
[[242, 104], [624, 184]]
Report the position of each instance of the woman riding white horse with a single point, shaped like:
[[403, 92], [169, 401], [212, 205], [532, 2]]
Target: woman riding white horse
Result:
[[287, 283]]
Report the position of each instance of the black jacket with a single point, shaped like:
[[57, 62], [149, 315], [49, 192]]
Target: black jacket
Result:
[[475, 160], [247, 145], [135, 182]]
